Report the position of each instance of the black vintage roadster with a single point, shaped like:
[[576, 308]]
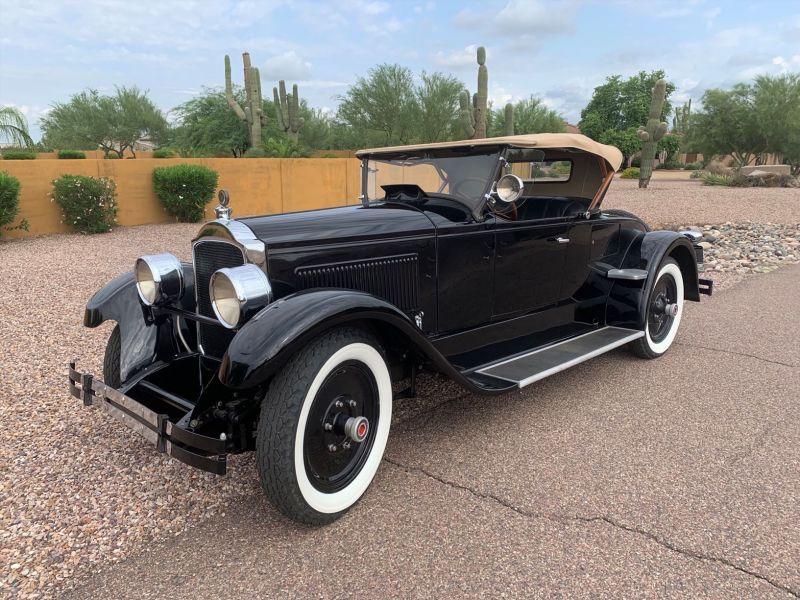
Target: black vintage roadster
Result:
[[489, 261]]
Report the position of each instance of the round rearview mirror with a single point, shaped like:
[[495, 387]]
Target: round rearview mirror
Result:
[[509, 188]]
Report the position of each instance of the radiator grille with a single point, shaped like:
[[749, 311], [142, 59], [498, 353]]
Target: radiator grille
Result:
[[210, 256], [393, 278]]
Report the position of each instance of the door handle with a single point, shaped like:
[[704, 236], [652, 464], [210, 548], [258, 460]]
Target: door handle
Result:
[[560, 240]]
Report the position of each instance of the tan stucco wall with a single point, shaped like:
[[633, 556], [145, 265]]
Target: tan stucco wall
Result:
[[256, 185]]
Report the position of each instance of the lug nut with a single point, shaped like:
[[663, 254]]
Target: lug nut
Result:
[[332, 448], [339, 404], [328, 426], [352, 403], [346, 445]]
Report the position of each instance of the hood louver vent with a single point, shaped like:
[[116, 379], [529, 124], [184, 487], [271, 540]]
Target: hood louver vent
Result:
[[393, 278]]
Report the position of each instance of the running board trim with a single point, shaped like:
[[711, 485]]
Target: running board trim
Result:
[[592, 344]]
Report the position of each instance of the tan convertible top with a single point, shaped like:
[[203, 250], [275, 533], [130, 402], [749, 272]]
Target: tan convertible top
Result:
[[534, 140]]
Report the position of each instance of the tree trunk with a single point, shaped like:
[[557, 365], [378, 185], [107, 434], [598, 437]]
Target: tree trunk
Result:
[[644, 182]]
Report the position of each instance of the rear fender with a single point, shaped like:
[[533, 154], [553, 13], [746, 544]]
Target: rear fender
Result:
[[119, 301], [264, 344], [627, 302]]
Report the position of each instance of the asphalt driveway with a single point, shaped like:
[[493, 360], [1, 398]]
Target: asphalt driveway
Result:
[[620, 477]]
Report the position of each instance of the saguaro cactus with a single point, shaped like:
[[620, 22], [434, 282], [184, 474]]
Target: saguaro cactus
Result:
[[509, 120], [651, 133], [253, 111], [473, 116], [680, 122], [287, 109]]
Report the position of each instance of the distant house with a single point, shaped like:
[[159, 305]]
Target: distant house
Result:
[[570, 128]]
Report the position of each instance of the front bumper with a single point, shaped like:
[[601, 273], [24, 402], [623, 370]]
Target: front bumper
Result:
[[200, 451]]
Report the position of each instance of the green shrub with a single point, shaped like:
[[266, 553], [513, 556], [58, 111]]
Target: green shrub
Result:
[[636, 162], [89, 204], [284, 148], [693, 166], [71, 154], [716, 179], [671, 165], [697, 174], [255, 153], [163, 153], [185, 189], [9, 199], [18, 154], [630, 173]]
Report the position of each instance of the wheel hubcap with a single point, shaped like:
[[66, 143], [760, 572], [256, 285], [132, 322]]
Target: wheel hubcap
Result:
[[339, 430], [663, 308]]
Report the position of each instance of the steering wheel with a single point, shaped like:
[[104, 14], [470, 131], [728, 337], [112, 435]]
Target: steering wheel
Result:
[[509, 211]]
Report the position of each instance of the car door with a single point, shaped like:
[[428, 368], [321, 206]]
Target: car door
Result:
[[530, 263], [465, 269]]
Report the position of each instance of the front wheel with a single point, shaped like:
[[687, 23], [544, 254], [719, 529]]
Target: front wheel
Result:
[[324, 425], [664, 312]]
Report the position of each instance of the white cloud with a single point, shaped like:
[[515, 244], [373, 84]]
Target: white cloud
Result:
[[288, 65], [524, 23], [458, 59]]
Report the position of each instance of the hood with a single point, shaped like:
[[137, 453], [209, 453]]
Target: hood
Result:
[[344, 224]]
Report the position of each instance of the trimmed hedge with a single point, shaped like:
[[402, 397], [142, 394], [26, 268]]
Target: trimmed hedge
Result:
[[71, 154], [163, 153], [630, 173], [18, 154], [9, 199], [184, 190], [89, 204]]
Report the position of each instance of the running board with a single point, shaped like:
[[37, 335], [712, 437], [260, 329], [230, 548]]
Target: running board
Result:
[[533, 366]]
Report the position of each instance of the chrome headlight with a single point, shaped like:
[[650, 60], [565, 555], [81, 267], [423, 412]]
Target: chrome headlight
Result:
[[238, 293], [159, 278]]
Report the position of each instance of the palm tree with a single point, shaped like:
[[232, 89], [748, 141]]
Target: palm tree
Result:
[[14, 127]]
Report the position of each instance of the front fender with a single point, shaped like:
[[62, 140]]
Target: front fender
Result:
[[627, 302], [268, 340], [119, 301]]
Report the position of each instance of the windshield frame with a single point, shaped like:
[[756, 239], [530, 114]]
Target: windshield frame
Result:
[[476, 209]]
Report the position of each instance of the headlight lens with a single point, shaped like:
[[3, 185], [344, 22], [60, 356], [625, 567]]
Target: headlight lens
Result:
[[239, 292], [159, 278]]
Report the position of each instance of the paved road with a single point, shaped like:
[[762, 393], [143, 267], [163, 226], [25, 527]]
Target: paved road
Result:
[[621, 477]]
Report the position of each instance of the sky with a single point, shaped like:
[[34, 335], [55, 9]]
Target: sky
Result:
[[558, 50]]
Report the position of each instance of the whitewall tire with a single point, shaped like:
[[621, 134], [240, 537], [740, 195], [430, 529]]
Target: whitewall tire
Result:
[[324, 426], [664, 307]]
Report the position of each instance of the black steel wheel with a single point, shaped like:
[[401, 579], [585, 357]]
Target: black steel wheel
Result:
[[324, 425], [664, 312]]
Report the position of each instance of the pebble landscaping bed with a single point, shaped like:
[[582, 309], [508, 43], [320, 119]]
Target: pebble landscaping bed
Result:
[[733, 250], [78, 491]]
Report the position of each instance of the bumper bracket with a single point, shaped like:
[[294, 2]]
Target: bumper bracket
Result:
[[200, 451]]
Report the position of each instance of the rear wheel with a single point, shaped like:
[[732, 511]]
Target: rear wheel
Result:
[[664, 312], [324, 426], [111, 364]]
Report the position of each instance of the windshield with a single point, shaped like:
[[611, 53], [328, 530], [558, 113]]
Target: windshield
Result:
[[461, 174]]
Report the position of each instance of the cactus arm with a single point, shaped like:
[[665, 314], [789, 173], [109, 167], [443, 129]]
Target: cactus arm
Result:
[[467, 114], [278, 113], [284, 104], [229, 91], [509, 119]]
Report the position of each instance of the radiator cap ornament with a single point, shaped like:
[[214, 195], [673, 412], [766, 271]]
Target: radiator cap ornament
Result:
[[224, 211]]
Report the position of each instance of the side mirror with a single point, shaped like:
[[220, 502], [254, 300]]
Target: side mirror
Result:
[[509, 188]]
